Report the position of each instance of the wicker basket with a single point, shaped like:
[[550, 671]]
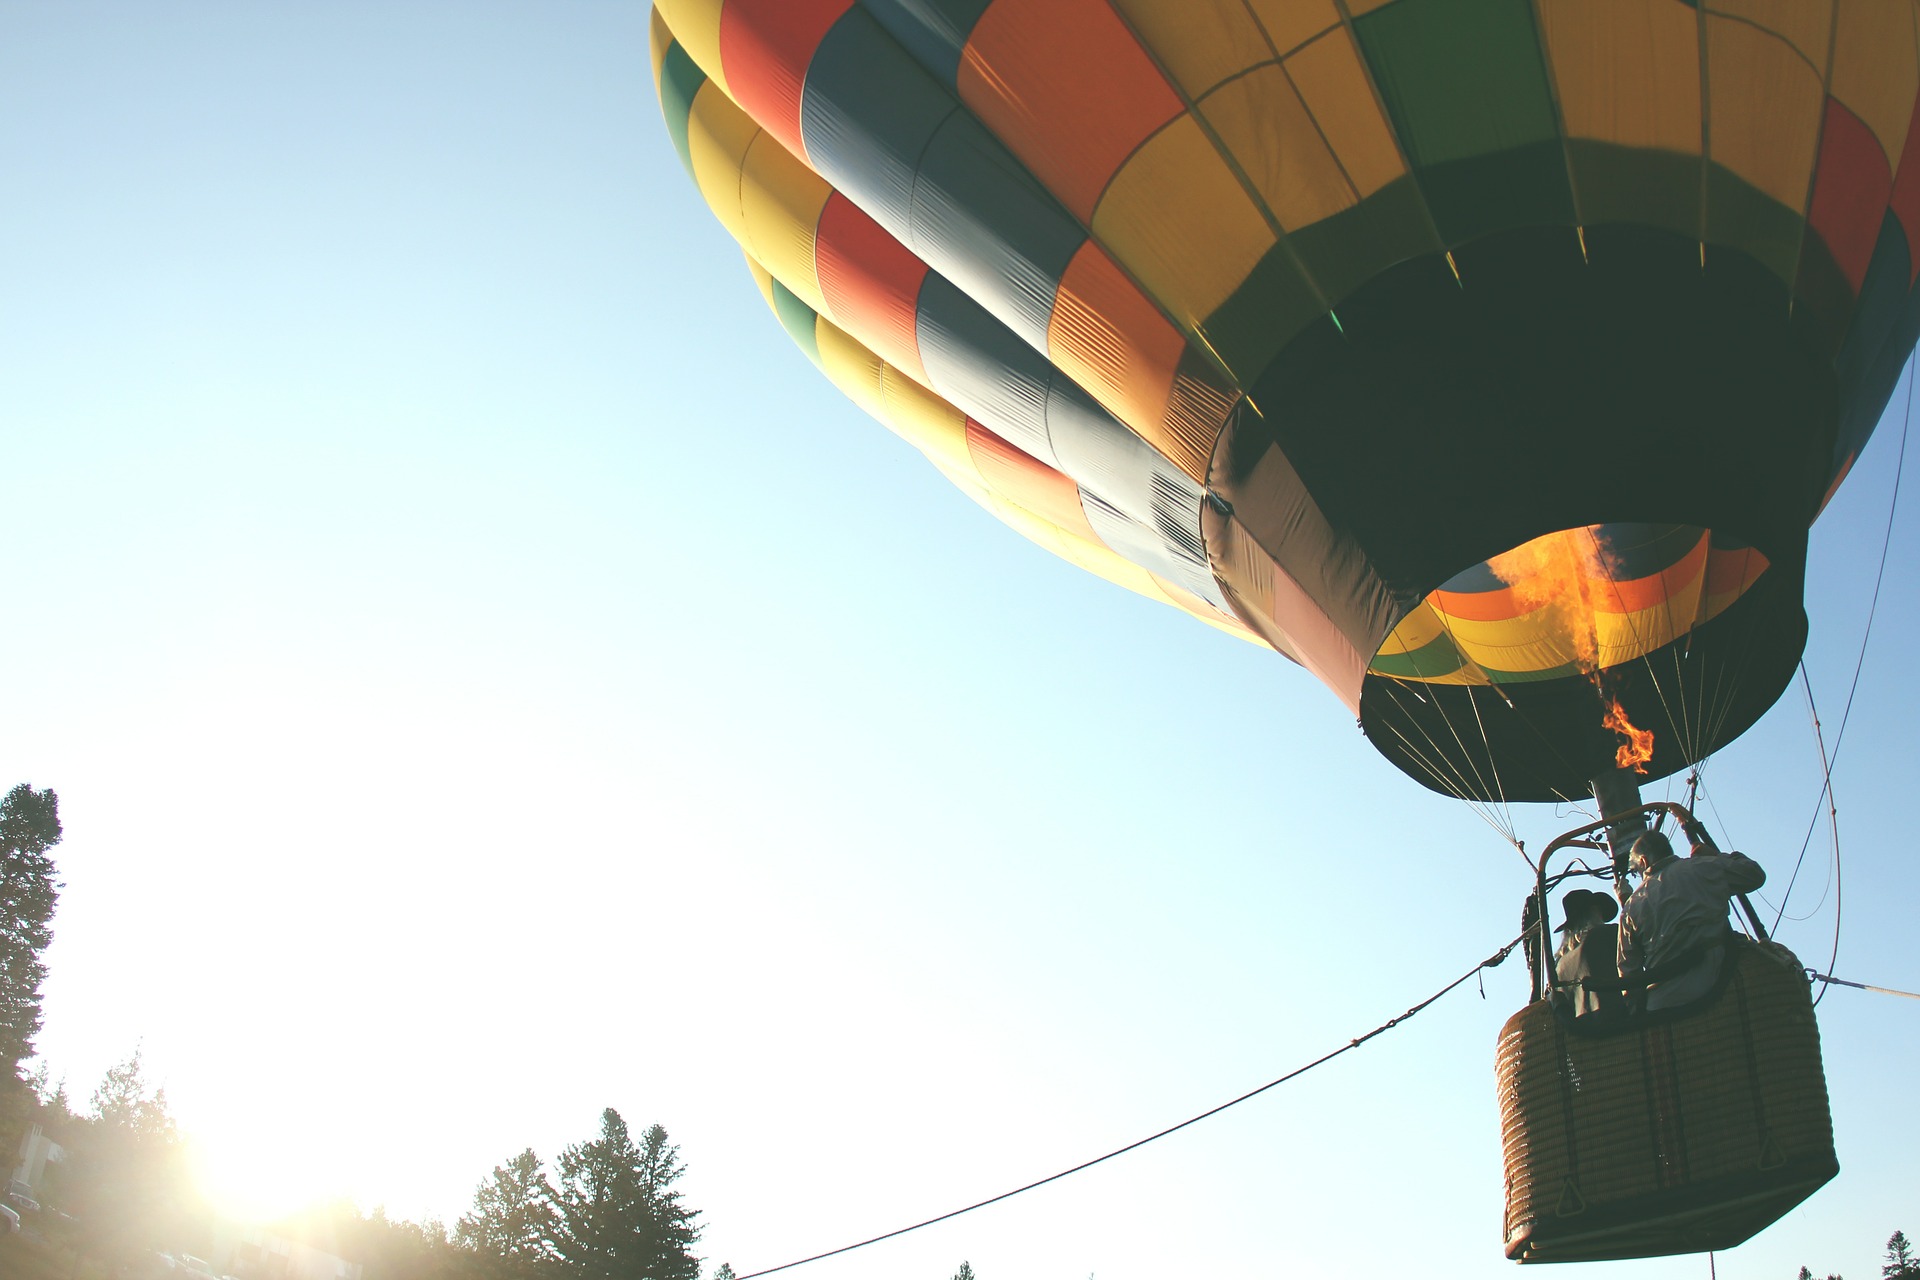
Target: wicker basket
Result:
[[1673, 1132]]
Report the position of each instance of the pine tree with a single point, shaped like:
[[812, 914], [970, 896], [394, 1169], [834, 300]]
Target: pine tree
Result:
[[965, 1272], [51, 1094], [29, 826], [1900, 1264], [618, 1217], [512, 1221], [123, 1105]]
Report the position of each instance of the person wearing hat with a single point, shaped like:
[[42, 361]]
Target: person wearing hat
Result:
[[1583, 966], [1674, 931]]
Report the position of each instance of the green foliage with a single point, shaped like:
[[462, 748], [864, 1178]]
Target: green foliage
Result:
[[725, 1272], [513, 1221], [613, 1214], [1900, 1264], [122, 1104], [618, 1215], [395, 1249], [55, 1108], [29, 827], [965, 1272]]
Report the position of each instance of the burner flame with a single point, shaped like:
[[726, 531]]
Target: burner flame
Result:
[[1562, 576], [1637, 748]]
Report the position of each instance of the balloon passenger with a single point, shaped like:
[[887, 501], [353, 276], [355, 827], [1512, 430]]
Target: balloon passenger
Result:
[[1584, 966], [1675, 928]]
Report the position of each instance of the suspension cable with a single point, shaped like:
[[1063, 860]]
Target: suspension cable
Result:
[[1439, 767], [1839, 900], [1829, 760], [1490, 962], [1826, 799]]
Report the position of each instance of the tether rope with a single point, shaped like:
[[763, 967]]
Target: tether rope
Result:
[[1860, 986], [1490, 962]]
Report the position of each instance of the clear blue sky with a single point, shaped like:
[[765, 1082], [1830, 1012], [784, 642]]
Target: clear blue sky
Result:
[[490, 676]]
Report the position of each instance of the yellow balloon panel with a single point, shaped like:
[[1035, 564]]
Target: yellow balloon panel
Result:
[[1178, 218], [1764, 109], [1628, 71]]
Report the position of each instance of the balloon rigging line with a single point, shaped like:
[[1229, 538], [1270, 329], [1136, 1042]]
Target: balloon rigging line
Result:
[[1446, 628], [1490, 962], [1697, 792], [1456, 785], [1466, 755], [1839, 899], [1433, 772], [1689, 740], [1879, 578], [1493, 763], [1726, 690], [1454, 788], [1813, 719], [1506, 826], [1544, 741], [1718, 700], [1717, 704]]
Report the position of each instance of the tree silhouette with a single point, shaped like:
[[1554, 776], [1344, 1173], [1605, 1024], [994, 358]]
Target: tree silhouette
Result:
[[1900, 1264], [618, 1215], [513, 1224], [29, 826], [965, 1272]]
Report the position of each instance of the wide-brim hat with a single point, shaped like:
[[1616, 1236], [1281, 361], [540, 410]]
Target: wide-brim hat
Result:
[[1584, 906]]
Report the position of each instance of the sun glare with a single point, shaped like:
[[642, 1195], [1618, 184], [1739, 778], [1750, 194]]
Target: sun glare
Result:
[[260, 1175]]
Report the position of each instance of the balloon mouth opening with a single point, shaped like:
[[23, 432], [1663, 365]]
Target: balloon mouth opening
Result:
[[1574, 602]]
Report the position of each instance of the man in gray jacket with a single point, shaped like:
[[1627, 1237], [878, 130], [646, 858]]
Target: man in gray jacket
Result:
[[1675, 926]]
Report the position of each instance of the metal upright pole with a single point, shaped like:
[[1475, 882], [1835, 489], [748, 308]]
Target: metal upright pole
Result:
[[1618, 793]]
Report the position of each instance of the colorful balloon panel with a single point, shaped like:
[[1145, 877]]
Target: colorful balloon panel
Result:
[[1319, 315]]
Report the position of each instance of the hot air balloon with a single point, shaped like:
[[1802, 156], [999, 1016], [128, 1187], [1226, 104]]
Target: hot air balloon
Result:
[[1490, 359]]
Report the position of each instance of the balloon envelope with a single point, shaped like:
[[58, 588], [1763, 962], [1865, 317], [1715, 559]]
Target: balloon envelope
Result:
[[1490, 359]]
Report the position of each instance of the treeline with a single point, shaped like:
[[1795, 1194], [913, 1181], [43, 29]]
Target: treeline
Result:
[[123, 1186], [1901, 1264], [124, 1191], [608, 1209]]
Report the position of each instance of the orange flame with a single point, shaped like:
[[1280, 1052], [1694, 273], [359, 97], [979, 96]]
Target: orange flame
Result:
[[1638, 747], [1564, 575]]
